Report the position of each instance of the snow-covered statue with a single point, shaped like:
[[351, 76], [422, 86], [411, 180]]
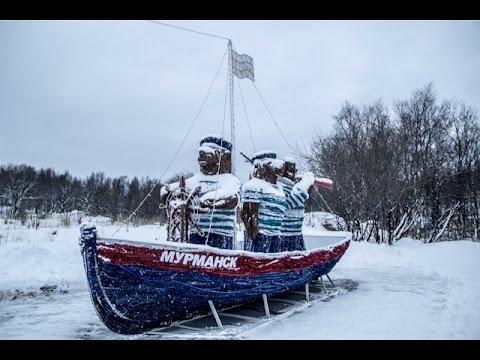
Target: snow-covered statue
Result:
[[263, 204], [296, 195], [218, 194]]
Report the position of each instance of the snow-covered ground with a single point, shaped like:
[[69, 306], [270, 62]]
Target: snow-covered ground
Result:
[[406, 291]]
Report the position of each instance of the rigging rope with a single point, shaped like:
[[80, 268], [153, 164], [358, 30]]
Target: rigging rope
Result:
[[246, 115], [190, 30], [321, 197], [291, 149], [271, 115], [220, 158], [275, 122], [180, 146]]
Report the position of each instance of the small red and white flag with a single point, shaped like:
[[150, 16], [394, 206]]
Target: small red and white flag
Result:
[[324, 182]]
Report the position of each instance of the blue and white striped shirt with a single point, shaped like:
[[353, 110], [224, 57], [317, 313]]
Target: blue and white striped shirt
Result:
[[215, 187], [272, 204], [295, 211]]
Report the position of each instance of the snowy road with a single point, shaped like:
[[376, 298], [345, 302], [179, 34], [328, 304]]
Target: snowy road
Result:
[[388, 304], [54, 315], [406, 291]]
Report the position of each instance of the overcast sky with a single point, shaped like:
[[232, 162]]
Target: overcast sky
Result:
[[119, 96]]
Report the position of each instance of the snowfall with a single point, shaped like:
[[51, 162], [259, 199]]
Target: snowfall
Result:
[[409, 290]]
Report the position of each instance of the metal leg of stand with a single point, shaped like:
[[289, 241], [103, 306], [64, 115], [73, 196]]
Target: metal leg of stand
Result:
[[323, 285], [331, 282], [215, 314], [265, 304], [307, 291]]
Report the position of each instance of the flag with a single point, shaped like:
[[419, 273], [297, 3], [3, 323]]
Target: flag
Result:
[[242, 66]]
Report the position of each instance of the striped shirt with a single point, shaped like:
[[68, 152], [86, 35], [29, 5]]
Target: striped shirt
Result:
[[215, 187], [272, 204], [287, 185], [295, 212]]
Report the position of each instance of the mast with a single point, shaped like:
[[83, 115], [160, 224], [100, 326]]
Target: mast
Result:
[[232, 103], [232, 126], [240, 65]]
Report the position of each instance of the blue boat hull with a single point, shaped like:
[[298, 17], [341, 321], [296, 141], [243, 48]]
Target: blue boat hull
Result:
[[131, 297]]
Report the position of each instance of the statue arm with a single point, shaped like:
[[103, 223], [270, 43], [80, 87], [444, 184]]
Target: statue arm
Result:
[[228, 203], [222, 199], [249, 215]]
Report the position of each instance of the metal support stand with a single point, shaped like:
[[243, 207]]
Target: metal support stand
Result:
[[215, 314], [307, 291], [323, 285], [265, 304], [331, 282]]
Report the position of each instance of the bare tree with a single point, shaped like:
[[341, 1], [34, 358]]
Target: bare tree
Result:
[[464, 181], [16, 187], [415, 173]]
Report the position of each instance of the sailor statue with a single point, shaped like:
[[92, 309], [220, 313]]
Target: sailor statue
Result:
[[218, 193]]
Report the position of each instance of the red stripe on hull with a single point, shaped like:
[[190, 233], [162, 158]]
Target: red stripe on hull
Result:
[[236, 264]]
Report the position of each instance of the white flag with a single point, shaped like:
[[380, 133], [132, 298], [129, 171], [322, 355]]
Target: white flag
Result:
[[242, 66]]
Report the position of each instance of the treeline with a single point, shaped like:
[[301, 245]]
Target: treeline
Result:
[[410, 170], [25, 191]]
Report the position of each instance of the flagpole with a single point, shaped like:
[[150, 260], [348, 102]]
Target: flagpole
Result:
[[232, 104], [232, 128], [240, 65]]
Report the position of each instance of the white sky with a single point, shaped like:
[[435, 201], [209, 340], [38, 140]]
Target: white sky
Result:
[[119, 96]]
